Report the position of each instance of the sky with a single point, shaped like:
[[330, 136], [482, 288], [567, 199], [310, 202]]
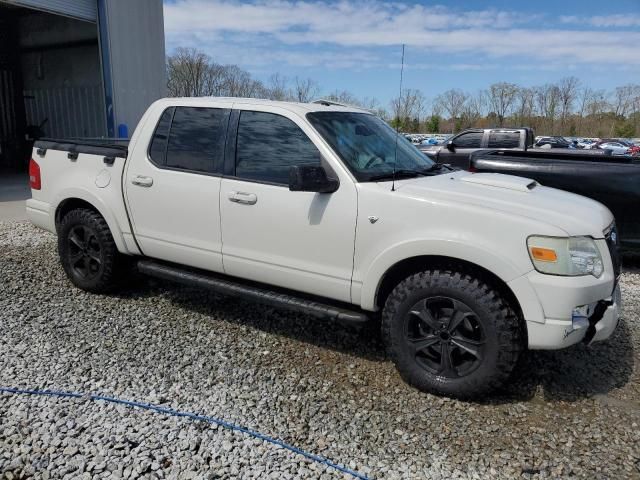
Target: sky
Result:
[[355, 45]]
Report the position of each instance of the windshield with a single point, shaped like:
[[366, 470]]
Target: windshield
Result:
[[367, 145]]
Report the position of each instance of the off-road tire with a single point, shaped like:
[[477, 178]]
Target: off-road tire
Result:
[[502, 329], [112, 264]]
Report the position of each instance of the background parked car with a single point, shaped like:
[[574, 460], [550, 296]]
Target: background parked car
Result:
[[456, 150], [617, 147], [552, 142]]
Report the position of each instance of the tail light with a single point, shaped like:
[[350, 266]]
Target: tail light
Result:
[[472, 168], [35, 182]]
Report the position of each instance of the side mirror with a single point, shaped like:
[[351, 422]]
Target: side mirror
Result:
[[451, 146], [311, 178]]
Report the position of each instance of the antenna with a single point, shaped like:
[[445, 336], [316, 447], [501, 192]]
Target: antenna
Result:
[[395, 154]]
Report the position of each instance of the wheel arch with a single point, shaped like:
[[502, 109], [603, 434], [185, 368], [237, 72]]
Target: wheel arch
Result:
[[82, 200], [408, 266]]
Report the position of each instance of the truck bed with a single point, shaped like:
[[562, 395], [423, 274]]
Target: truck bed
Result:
[[76, 173], [108, 148], [554, 154]]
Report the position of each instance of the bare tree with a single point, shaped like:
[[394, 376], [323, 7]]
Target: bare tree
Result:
[[567, 91], [305, 90], [547, 100], [623, 99], [452, 101], [187, 71], [277, 87], [501, 97], [408, 108], [525, 106], [581, 111], [473, 109]]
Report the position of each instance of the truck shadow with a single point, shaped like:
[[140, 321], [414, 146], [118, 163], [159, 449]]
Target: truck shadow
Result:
[[574, 373], [565, 375]]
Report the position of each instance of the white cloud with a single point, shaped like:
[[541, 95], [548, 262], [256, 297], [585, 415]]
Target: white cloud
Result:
[[605, 21], [276, 25]]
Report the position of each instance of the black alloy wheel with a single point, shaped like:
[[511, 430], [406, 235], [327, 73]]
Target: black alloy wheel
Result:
[[445, 336], [452, 332], [85, 253], [88, 253]]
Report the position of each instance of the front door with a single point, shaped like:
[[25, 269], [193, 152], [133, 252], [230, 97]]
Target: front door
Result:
[[297, 240], [173, 192], [464, 145]]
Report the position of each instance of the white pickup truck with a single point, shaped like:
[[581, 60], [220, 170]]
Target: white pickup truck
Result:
[[323, 208]]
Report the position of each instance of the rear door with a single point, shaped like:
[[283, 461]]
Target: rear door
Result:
[[173, 187], [298, 240], [504, 139]]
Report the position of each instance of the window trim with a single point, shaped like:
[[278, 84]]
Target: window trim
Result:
[[218, 170], [233, 176], [155, 129], [462, 134]]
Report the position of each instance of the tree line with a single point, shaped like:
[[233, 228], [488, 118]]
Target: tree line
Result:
[[563, 108]]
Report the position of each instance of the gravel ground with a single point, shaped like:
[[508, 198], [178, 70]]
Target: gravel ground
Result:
[[317, 385]]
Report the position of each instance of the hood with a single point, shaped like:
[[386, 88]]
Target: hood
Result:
[[574, 214]]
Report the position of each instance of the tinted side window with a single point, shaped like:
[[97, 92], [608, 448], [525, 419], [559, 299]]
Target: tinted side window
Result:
[[158, 147], [196, 138], [469, 140], [499, 139], [268, 144]]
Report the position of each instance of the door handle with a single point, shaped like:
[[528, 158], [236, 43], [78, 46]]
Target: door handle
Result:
[[243, 197], [142, 181]]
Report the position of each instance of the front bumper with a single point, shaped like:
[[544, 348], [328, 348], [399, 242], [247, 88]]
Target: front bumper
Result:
[[548, 304], [601, 326], [554, 334]]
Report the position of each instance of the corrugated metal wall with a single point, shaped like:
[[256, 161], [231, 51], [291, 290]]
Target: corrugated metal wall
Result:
[[137, 56], [81, 9], [70, 112], [12, 126], [7, 110]]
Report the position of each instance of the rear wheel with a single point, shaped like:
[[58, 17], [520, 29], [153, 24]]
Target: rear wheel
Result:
[[88, 254], [451, 333]]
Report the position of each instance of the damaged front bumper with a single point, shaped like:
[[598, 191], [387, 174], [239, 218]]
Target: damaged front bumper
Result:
[[605, 318], [589, 323]]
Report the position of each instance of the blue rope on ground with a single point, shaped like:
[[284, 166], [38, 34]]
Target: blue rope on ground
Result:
[[193, 416]]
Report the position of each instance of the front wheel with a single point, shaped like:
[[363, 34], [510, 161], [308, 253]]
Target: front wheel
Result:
[[451, 333]]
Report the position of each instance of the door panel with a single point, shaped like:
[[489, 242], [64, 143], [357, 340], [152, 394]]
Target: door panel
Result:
[[297, 240], [173, 192], [177, 218]]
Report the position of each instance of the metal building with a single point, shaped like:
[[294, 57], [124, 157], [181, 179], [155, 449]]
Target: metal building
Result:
[[76, 69]]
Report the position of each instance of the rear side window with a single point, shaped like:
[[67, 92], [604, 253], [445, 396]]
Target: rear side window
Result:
[[190, 138], [158, 147], [268, 145], [469, 140], [196, 138], [498, 139]]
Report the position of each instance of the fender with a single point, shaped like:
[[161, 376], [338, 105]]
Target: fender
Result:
[[480, 255], [101, 207]]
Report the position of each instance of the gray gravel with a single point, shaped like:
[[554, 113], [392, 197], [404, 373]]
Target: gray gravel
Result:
[[318, 385]]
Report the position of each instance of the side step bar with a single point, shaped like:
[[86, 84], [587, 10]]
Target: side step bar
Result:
[[257, 293]]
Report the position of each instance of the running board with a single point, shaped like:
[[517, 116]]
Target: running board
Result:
[[259, 294]]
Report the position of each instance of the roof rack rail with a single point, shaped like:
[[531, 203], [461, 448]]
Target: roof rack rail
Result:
[[328, 103], [332, 103]]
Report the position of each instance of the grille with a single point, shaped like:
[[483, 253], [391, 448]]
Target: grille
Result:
[[611, 236]]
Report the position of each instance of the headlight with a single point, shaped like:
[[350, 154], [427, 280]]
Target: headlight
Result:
[[570, 256]]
